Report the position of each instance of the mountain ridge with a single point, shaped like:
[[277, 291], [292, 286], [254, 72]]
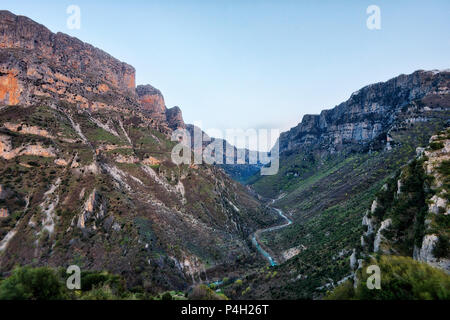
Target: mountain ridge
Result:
[[358, 108], [87, 177]]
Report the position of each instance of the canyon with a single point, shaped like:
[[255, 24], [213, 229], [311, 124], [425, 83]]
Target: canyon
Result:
[[85, 164], [87, 179]]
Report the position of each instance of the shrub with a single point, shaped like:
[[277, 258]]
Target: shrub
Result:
[[436, 145], [444, 168], [27, 283], [247, 290], [166, 296], [202, 292], [91, 280], [100, 293]]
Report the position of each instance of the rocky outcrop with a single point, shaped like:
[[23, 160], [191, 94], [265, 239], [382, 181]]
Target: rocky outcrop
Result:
[[426, 253], [56, 64], [292, 252], [368, 114], [152, 102], [36, 64], [94, 209], [9, 88], [151, 161], [26, 129], [175, 118], [8, 153], [379, 235]]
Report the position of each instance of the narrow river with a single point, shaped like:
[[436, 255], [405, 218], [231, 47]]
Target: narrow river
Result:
[[257, 243]]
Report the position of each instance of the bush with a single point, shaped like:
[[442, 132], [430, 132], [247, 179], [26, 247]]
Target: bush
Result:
[[213, 286], [202, 292], [27, 283], [93, 279], [344, 291], [101, 293], [436, 145], [444, 168], [166, 296]]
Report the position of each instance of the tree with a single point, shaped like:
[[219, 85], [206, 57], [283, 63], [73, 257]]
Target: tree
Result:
[[27, 283]]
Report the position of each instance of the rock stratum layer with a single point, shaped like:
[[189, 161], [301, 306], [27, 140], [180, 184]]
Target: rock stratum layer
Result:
[[152, 102], [38, 63], [370, 112]]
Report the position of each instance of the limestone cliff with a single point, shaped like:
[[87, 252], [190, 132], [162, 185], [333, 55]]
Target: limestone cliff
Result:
[[371, 113]]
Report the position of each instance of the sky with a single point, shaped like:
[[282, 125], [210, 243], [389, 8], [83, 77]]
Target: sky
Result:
[[252, 64]]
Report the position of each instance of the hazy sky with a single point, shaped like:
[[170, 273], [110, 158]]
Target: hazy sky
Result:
[[257, 64]]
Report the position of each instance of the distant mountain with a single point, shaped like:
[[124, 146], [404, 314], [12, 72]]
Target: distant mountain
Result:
[[236, 170], [86, 175]]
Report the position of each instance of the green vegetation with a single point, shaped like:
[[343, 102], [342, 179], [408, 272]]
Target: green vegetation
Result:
[[436, 145], [43, 283], [32, 284], [408, 209], [203, 292], [442, 247], [327, 197], [101, 135], [402, 278]]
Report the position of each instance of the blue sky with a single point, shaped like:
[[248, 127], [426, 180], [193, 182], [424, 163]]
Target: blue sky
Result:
[[257, 64]]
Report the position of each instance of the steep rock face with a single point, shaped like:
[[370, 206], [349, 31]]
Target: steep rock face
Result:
[[175, 118], [68, 62], [36, 64], [368, 113], [152, 102]]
